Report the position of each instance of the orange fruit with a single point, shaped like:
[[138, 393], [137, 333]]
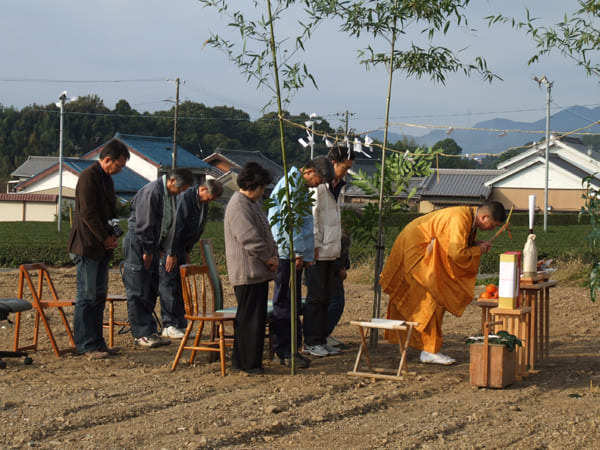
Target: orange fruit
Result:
[[491, 288], [485, 295]]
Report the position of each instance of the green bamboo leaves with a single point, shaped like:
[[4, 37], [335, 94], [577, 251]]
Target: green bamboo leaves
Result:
[[591, 209]]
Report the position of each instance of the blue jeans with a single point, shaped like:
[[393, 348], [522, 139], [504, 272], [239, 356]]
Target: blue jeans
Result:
[[171, 297], [92, 288]]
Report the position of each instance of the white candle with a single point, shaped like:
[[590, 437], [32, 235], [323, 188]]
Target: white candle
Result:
[[531, 212]]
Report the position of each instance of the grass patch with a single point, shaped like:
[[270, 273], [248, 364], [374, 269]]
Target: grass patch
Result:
[[27, 242]]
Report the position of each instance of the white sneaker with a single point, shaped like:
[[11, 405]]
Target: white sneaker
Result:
[[172, 332], [316, 350], [333, 341], [332, 350], [436, 358]]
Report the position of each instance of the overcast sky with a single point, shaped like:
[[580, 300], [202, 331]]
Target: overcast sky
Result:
[[129, 48]]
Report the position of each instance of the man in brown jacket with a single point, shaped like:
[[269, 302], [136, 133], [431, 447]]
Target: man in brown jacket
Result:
[[91, 244]]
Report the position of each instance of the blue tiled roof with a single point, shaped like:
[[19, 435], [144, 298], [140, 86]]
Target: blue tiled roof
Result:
[[126, 181], [160, 151]]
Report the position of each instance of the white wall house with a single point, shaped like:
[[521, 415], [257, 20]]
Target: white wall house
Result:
[[569, 163], [150, 157]]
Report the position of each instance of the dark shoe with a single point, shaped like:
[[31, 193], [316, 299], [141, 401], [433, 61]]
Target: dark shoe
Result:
[[112, 351], [162, 340], [301, 361], [148, 341], [152, 341], [253, 371], [96, 354]]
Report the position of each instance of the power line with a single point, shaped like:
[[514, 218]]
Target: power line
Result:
[[46, 80]]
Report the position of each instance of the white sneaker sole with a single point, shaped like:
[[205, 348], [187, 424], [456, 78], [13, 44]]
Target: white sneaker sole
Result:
[[439, 363]]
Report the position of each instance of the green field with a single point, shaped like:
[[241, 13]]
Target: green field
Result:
[[26, 242]]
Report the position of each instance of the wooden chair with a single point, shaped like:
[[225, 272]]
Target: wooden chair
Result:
[[208, 258], [110, 324], [41, 305], [195, 291]]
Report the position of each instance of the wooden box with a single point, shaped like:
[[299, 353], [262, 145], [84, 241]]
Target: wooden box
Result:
[[508, 283], [500, 370]]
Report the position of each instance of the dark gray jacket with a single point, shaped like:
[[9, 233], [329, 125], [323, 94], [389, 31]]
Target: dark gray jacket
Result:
[[191, 220], [146, 216]]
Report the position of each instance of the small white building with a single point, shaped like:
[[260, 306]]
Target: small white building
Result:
[[150, 158], [569, 163]]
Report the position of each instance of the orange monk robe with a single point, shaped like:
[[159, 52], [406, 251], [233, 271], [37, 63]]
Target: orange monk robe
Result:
[[432, 269]]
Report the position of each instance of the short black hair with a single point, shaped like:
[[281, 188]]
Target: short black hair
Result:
[[496, 210], [115, 149], [323, 167], [252, 176], [340, 153]]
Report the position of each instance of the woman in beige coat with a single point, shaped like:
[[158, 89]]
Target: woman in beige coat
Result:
[[252, 261]]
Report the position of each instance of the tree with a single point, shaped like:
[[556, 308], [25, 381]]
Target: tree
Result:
[[397, 192], [388, 21], [576, 36], [451, 158], [268, 62], [591, 209]]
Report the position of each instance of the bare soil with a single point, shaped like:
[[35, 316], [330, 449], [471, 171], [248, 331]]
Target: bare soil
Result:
[[133, 400]]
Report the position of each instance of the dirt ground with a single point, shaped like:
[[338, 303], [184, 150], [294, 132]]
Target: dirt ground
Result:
[[133, 400]]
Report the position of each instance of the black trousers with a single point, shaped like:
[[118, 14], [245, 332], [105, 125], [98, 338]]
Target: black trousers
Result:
[[319, 284], [250, 323]]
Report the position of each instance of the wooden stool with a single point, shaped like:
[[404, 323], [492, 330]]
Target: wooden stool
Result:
[[516, 322], [111, 299], [393, 325], [537, 296]]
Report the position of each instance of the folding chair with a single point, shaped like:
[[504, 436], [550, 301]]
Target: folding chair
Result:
[[41, 304], [195, 290]]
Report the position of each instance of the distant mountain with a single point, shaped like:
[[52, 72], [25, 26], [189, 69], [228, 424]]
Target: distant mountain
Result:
[[474, 141]]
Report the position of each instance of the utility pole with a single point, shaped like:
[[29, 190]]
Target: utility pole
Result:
[[543, 80], [177, 83], [61, 104], [346, 115]]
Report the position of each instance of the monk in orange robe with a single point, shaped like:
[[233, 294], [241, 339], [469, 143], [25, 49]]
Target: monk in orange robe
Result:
[[432, 269]]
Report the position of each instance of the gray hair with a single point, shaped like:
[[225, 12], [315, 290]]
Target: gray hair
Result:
[[183, 177], [214, 187]]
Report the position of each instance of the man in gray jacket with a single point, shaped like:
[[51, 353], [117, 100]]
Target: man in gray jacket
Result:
[[192, 213], [151, 229]]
